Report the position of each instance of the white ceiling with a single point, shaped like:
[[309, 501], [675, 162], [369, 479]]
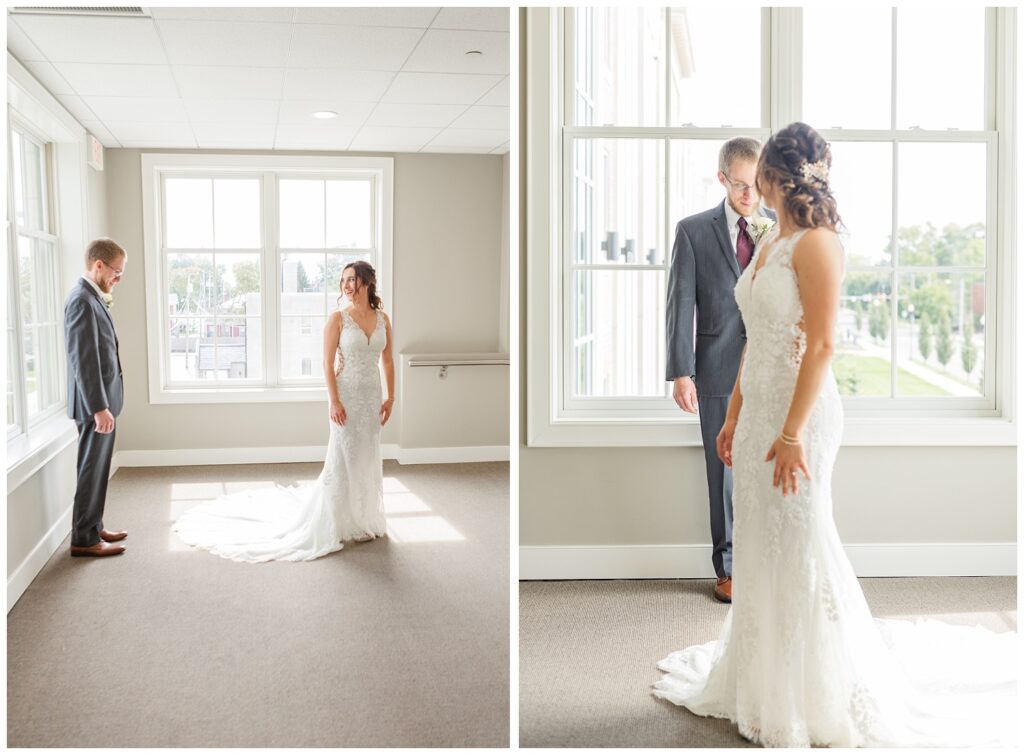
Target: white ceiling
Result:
[[249, 78]]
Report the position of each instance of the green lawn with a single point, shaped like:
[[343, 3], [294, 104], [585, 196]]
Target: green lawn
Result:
[[871, 376]]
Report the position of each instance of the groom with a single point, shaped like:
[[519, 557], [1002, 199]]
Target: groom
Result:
[[711, 250], [95, 394]]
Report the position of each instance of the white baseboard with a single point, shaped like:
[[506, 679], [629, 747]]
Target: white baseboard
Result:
[[694, 561], [452, 454], [186, 457], [27, 570]]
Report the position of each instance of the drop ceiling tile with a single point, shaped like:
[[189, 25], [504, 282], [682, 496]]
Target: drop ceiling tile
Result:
[[456, 150], [50, 77], [480, 117], [18, 42], [436, 116], [137, 109], [77, 107], [160, 144], [102, 133], [373, 48], [332, 83], [392, 138], [438, 88], [225, 43], [84, 39], [154, 133], [444, 51], [349, 113], [294, 136], [119, 80], [418, 18], [229, 82], [234, 135], [270, 15], [231, 111], [479, 19], [498, 96], [483, 139]]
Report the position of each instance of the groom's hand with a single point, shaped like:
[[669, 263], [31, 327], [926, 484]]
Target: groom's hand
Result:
[[104, 422], [685, 394]]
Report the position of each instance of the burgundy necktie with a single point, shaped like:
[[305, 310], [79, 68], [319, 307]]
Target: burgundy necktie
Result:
[[744, 245]]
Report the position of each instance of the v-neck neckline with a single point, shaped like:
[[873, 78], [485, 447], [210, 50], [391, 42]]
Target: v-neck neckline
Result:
[[376, 322], [775, 243]]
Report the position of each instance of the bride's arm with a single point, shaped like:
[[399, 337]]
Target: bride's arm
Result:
[[818, 264], [332, 335], [388, 359]]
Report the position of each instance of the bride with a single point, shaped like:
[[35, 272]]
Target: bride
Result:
[[346, 502], [800, 661]]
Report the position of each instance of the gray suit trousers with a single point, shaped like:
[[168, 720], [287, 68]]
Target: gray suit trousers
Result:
[[712, 417], [95, 450]]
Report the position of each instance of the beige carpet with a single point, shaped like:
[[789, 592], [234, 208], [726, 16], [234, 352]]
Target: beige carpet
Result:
[[587, 652], [399, 642]]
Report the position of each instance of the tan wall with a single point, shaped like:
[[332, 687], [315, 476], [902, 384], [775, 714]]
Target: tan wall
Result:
[[639, 496], [446, 278]]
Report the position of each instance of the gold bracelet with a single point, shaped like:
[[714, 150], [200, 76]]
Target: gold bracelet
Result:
[[789, 440]]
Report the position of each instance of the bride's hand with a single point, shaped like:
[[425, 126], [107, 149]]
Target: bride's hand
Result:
[[337, 413], [789, 460], [385, 411], [723, 443]]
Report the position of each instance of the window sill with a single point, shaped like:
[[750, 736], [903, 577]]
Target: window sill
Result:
[[28, 453], [857, 431], [309, 394]]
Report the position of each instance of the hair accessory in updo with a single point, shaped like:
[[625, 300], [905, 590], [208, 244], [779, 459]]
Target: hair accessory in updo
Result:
[[817, 170]]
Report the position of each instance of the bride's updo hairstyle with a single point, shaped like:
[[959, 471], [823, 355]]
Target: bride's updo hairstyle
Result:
[[367, 276], [797, 160]]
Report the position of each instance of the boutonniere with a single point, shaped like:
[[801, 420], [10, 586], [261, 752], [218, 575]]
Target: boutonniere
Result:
[[108, 299], [761, 227]]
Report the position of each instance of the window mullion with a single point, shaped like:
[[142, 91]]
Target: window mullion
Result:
[[271, 293]]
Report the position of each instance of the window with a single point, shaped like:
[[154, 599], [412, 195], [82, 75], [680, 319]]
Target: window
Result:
[[250, 252], [35, 381], [913, 324], [628, 108]]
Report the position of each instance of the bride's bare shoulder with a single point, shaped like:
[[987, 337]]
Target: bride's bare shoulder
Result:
[[818, 241]]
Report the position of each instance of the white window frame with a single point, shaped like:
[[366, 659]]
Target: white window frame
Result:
[[31, 105], [271, 168], [24, 422], [552, 421]]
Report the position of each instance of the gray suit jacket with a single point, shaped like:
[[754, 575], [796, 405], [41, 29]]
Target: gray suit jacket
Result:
[[94, 366], [703, 274]]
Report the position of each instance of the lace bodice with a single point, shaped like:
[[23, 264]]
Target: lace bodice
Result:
[[769, 301], [357, 352]]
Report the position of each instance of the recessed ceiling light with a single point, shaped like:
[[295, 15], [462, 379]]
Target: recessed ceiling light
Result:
[[325, 114], [474, 52]]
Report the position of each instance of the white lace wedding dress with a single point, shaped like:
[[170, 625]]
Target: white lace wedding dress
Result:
[[800, 661], [346, 501]]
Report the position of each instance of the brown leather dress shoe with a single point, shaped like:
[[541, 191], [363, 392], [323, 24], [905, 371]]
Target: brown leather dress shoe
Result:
[[723, 590], [100, 549], [113, 536]]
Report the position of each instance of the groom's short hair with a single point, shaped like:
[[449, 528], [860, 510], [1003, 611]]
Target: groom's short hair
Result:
[[738, 148], [105, 250]]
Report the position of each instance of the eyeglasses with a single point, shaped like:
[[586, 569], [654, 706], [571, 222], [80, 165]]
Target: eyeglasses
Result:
[[738, 187], [117, 273]]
